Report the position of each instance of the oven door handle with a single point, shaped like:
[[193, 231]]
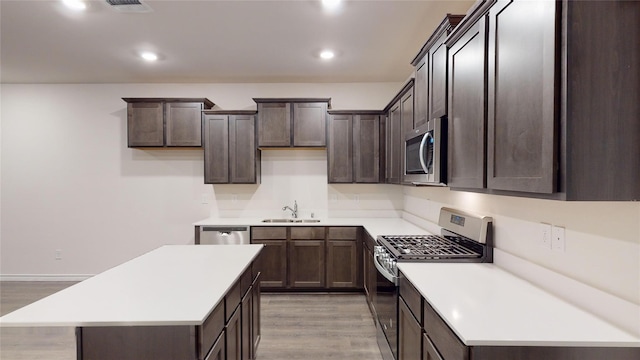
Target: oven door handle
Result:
[[387, 275]]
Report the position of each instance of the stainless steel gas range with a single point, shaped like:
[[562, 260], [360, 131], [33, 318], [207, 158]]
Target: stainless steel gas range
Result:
[[465, 237]]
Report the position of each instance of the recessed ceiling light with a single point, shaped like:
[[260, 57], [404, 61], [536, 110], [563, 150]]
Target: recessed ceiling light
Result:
[[327, 54], [77, 5], [149, 56], [330, 4]]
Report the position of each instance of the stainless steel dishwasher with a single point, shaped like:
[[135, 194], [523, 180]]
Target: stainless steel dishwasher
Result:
[[223, 235]]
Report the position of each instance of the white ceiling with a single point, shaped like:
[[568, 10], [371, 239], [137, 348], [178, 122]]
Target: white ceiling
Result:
[[211, 41]]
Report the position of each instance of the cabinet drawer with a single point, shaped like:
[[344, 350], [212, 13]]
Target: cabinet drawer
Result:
[[447, 343], [211, 328], [268, 233], [304, 233], [412, 297], [343, 233], [232, 300], [218, 350]]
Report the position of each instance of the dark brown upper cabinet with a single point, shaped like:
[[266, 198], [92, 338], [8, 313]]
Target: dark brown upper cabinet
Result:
[[430, 89], [165, 122], [399, 118], [292, 122], [561, 100], [466, 114], [353, 148], [230, 153]]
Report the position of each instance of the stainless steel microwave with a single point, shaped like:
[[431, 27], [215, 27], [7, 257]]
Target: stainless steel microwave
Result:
[[426, 154]]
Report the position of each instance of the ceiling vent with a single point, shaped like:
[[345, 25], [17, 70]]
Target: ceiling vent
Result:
[[135, 6]]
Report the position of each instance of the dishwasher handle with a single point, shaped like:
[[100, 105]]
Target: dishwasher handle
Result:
[[224, 229]]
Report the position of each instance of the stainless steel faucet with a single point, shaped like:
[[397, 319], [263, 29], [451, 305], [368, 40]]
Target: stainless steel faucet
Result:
[[294, 211]]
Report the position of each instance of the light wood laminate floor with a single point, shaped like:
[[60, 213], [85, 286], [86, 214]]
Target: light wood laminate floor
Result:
[[294, 326]]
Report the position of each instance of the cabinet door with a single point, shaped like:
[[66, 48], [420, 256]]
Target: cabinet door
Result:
[[393, 145], [255, 316], [216, 149], [366, 148], [145, 124], [306, 264], [409, 334], [421, 92], [246, 321], [309, 124], [274, 124], [218, 351], [340, 155], [233, 335], [242, 145], [342, 264], [272, 264], [522, 107], [406, 104], [438, 79], [467, 123], [183, 124], [429, 351]]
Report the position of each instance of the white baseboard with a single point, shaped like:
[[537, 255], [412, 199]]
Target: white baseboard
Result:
[[43, 277]]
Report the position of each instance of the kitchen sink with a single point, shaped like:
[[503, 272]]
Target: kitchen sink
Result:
[[290, 221]]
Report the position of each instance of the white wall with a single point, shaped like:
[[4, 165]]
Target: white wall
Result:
[[69, 182], [602, 238]]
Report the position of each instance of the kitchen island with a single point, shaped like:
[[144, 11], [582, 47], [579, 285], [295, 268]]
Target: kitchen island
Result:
[[176, 301]]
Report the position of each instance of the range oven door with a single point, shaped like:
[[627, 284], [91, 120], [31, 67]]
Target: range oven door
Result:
[[386, 305]]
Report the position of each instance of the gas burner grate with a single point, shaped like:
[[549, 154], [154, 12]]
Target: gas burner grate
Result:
[[419, 247]]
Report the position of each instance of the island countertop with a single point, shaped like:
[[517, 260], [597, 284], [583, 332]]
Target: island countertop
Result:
[[171, 285]]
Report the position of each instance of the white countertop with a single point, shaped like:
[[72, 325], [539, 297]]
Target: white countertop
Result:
[[171, 285], [485, 305], [374, 226]]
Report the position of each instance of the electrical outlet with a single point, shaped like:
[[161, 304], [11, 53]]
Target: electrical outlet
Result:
[[333, 197], [557, 239], [545, 235], [356, 198], [58, 255], [204, 198], [234, 198]]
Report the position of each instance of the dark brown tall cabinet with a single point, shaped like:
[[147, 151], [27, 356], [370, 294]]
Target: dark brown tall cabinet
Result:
[[353, 147], [292, 122], [561, 102], [230, 154], [165, 122]]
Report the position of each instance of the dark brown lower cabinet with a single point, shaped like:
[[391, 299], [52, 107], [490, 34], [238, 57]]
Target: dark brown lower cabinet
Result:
[[233, 335], [272, 263], [245, 318], [429, 351], [218, 350], [343, 258], [306, 264], [409, 334], [309, 257]]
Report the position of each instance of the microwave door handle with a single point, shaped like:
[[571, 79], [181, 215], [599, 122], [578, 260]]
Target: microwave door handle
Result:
[[423, 143]]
